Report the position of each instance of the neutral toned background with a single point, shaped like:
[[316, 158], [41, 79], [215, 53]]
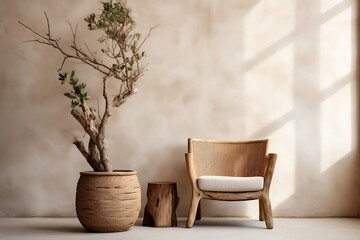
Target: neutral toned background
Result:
[[232, 70]]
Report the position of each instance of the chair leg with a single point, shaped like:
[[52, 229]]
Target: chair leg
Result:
[[261, 211], [192, 211], [198, 212], [267, 211]]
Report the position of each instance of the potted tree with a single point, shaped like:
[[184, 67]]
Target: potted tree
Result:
[[106, 200]]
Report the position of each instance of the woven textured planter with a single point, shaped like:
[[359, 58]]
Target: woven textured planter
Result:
[[108, 201]]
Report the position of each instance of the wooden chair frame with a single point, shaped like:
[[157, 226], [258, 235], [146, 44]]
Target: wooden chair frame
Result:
[[265, 211]]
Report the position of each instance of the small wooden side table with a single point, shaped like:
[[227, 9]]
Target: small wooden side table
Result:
[[160, 209]]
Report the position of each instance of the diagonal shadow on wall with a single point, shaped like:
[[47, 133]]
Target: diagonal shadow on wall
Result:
[[336, 181]]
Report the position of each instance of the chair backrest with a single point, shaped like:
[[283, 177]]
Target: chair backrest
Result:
[[223, 158]]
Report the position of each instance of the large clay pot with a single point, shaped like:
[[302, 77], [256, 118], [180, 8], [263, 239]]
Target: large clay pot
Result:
[[108, 201]]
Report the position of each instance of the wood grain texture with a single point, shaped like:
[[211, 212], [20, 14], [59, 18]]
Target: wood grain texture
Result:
[[225, 158], [160, 209]]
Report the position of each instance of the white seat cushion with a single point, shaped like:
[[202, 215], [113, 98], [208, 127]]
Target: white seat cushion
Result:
[[230, 184]]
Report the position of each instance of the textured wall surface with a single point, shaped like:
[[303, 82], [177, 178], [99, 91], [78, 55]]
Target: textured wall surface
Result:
[[249, 69]]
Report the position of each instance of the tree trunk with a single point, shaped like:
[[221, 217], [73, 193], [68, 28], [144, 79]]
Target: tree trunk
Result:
[[94, 156], [102, 146], [160, 209]]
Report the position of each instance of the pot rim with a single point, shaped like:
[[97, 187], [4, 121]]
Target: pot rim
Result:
[[114, 173]]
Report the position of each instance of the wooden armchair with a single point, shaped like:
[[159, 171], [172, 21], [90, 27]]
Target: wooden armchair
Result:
[[230, 171]]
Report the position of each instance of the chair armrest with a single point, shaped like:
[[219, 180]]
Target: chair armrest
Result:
[[191, 169], [271, 160]]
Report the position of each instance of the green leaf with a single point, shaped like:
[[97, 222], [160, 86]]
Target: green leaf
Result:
[[74, 103], [77, 89], [61, 77], [74, 81], [82, 91]]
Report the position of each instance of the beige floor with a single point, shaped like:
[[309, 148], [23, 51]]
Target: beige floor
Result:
[[208, 228]]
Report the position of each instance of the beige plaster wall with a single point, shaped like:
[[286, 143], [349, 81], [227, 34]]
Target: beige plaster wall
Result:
[[278, 69]]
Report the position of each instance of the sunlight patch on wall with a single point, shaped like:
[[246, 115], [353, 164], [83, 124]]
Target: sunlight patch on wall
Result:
[[262, 28], [335, 50], [328, 4], [335, 127], [335, 74], [268, 90], [283, 143]]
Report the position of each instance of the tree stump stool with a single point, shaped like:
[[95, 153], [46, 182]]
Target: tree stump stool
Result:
[[160, 209]]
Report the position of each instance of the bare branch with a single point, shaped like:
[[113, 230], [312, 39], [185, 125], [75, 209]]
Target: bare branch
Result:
[[48, 24], [54, 43], [39, 41], [81, 147], [62, 64], [31, 30], [91, 156], [146, 38], [72, 30], [74, 37], [80, 117], [90, 51]]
